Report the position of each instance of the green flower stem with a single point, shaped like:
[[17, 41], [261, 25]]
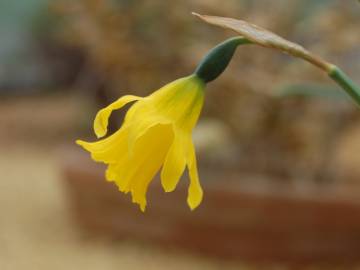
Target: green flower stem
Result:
[[345, 83], [216, 61]]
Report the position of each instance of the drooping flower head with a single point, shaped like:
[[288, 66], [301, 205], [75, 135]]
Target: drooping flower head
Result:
[[156, 133]]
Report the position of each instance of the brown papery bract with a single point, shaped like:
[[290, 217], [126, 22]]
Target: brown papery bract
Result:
[[265, 38]]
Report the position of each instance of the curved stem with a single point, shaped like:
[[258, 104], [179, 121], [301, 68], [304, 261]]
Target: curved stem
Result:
[[216, 61], [346, 83], [251, 33], [334, 72]]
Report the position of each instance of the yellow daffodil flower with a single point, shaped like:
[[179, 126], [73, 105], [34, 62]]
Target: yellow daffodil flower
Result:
[[156, 133]]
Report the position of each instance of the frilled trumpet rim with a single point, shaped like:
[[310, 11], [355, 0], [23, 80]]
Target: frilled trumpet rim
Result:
[[155, 135]]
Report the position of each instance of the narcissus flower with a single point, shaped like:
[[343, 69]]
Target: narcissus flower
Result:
[[156, 133]]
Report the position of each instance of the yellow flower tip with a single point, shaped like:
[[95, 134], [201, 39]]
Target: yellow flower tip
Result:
[[100, 124], [100, 133], [88, 146], [80, 142], [102, 117], [110, 175], [194, 202], [140, 202], [168, 189], [167, 183]]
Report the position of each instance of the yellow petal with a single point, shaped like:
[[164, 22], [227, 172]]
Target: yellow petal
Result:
[[195, 192], [149, 154], [134, 172], [180, 101], [102, 117], [175, 163], [145, 117], [110, 149], [110, 174]]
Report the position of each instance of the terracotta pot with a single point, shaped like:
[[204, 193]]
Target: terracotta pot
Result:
[[247, 219]]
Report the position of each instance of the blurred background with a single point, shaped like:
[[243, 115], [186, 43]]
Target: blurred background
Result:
[[278, 143]]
